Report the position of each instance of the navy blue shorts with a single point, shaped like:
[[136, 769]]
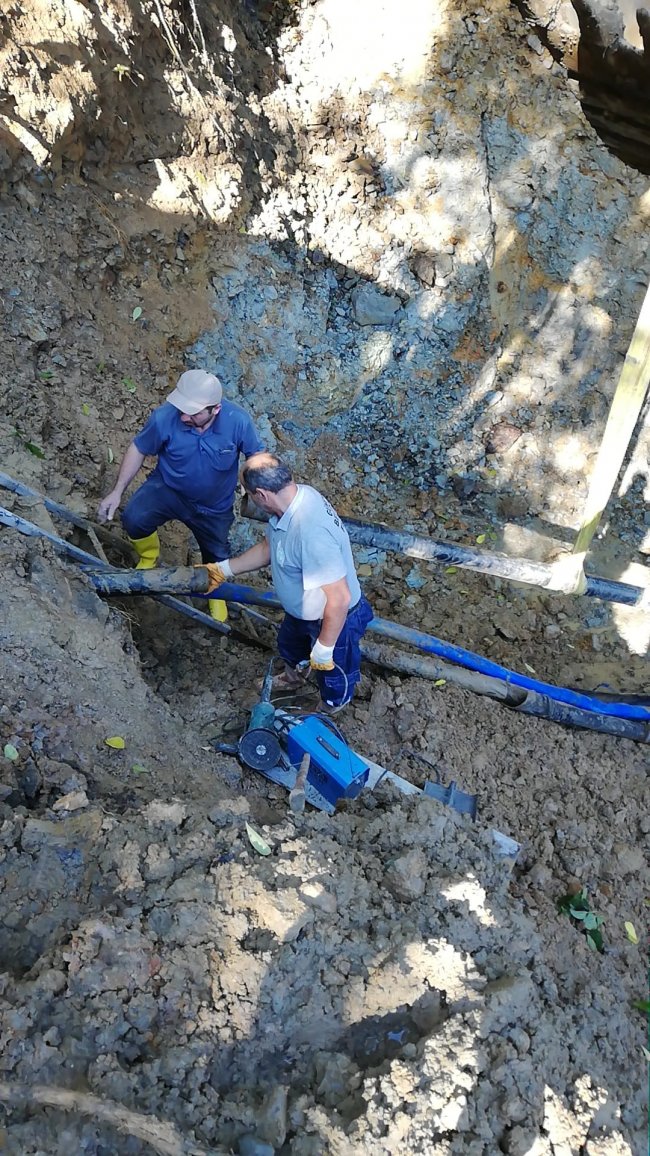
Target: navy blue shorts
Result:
[[297, 636], [154, 504]]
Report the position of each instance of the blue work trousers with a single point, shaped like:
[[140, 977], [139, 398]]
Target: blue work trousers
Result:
[[296, 637], [154, 504]]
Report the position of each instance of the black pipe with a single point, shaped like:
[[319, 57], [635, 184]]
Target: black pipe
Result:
[[467, 558], [163, 580]]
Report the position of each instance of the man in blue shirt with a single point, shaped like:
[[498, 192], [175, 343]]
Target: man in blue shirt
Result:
[[197, 438]]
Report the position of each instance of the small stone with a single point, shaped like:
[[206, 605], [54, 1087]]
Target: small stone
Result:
[[73, 801], [272, 1117], [252, 1146], [371, 307], [502, 437], [406, 877]]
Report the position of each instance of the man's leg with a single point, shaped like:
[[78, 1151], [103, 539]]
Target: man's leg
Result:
[[295, 640], [151, 506], [337, 686], [211, 532]]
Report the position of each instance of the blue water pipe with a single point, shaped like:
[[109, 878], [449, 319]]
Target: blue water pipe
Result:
[[425, 642], [431, 645]]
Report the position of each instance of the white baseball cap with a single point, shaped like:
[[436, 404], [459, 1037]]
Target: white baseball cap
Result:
[[196, 390]]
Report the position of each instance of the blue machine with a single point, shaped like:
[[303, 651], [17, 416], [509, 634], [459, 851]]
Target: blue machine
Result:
[[335, 771]]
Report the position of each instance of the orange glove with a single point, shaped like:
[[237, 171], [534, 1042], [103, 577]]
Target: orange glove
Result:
[[321, 657], [218, 572]]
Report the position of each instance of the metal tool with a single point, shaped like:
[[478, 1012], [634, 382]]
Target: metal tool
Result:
[[259, 746], [450, 795]]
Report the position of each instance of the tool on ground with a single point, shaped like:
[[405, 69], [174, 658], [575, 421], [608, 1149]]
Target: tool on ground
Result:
[[450, 795], [335, 770], [297, 796], [259, 746]]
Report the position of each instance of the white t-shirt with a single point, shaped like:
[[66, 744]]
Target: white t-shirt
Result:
[[310, 548]]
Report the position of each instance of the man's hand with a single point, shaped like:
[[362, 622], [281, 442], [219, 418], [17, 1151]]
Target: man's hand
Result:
[[321, 657], [108, 506], [218, 572]]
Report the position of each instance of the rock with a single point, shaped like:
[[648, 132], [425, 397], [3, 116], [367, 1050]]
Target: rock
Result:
[[423, 266], [406, 876], [252, 1146], [73, 801], [167, 814], [501, 437], [315, 895], [272, 1117], [371, 307], [519, 1141]]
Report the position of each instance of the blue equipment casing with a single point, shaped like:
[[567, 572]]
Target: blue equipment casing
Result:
[[335, 771]]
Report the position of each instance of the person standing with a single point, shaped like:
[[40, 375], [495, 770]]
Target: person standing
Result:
[[198, 437], [314, 576]]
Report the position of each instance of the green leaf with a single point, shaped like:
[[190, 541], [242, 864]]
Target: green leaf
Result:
[[630, 931], [257, 842], [642, 1005], [116, 743], [129, 384], [138, 769], [110, 455], [589, 920], [440, 682], [46, 374], [594, 940], [578, 913], [35, 450], [10, 752], [85, 409], [451, 569], [481, 538], [137, 312]]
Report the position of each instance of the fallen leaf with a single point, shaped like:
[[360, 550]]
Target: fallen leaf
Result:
[[85, 409], [110, 455], [138, 769], [11, 753], [116, 743], [137, 312], [256, 841], [440, 682], [630, 931], [480, 538], [451, 569]]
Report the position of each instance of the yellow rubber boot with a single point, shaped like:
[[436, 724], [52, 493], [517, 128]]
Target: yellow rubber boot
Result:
[[218, 609], [147, 550]]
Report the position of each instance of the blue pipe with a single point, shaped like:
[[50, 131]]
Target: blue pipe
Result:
[[431, 645]]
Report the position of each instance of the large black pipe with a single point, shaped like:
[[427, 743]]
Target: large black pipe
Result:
[[467, 558], [498, 565]]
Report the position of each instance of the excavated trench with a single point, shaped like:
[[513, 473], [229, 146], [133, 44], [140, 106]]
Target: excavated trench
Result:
[[401, 281]]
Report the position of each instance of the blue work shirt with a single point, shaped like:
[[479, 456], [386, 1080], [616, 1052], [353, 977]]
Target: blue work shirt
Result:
[[202, 467]]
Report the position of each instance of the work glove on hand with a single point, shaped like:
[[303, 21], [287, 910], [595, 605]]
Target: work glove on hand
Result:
[[218, 572], [321, 657]]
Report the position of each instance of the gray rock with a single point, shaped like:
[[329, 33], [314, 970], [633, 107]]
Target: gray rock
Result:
[[252, 1146], [371, 307], [406, 876]]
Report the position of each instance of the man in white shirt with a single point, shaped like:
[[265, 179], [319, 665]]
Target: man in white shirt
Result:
[[314, 577]]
